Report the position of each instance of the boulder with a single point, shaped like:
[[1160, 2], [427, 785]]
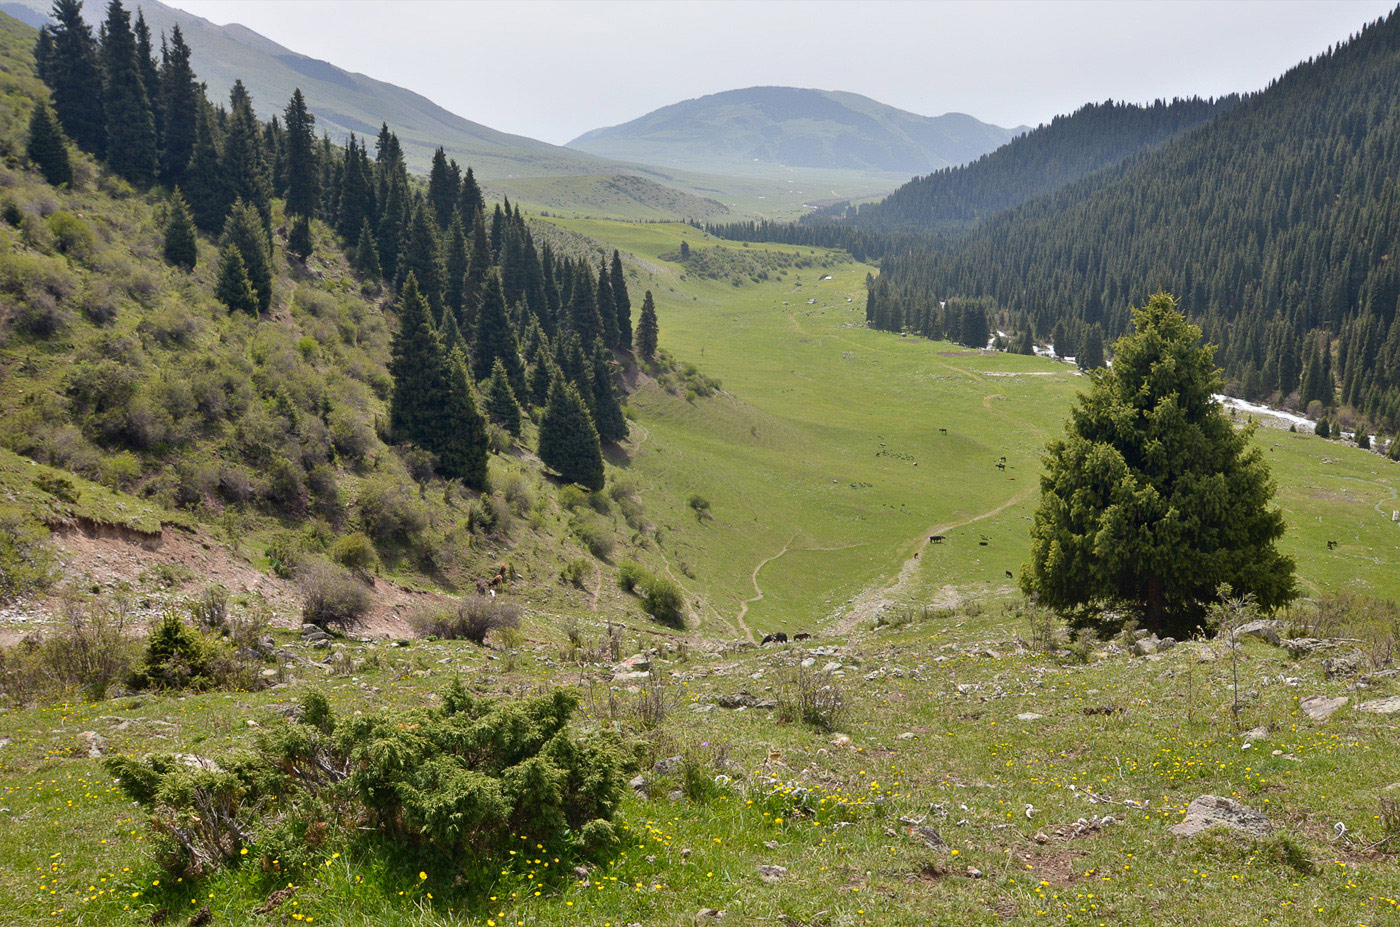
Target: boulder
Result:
[[1029, 716], [1346, 666], [1381, 706], [1263, 630], [772, 873], [1209, 811], [1303, 646], [737, 700], [1320, 707]]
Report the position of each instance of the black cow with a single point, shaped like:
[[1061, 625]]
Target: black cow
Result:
[[775, 638]]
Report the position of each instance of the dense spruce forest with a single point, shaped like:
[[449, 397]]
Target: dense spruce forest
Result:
[[1069, 148], [1275, 223], [490, 324]]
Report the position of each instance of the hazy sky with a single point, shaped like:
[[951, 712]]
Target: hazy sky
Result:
[[553, 69]]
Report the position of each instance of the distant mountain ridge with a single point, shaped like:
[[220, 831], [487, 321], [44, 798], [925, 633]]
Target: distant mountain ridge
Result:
[[797, 127], [1045, 159]]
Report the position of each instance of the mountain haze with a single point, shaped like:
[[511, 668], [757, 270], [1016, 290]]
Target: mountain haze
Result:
[[796, 127]]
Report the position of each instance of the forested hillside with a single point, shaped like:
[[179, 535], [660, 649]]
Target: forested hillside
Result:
[[1067, 149], [297, 342], [1275, 224]]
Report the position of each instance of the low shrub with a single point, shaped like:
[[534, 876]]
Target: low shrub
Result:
[[179, 657], [332, 597], [355, 552], [595, 534], [27, 560], [93, 651], [576, 572], [630, 575], [474, 619], [811, 697], [664, 601], [209, 609]]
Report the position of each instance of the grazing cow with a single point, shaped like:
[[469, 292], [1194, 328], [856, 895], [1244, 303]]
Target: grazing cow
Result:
[[1008, 575], [776, 638], [1001, 465], [481, 586], [1331, 545], [943, 431], [802, 636], [935, 538]]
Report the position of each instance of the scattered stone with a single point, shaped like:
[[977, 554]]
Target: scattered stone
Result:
[[96, 745], [637, 663], [808, 662], [1029, 716], [708, 914], [1381, 706], [738, 700], [841, 740], [908, 735], [831, 667], [772, 873], [1146, 646], [929, 835], [1302, 646], [771, 844], [766, 704], [1209, 811], [1264, 630], [973, 872], [667, 765], [1344, 666], [1258, 733], [640, 785], [1320, 707]]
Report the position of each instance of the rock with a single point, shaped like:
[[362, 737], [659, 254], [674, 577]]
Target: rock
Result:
[[1264, 630], [631, 677], [640, 785], [973, 872], [96, 745], [195, 761], [637, 663], [1146, 646], [667, 765], [772, 873], [1381, 706], [967, 688], [1320, 707], [1346, 665], [1209, 811], [1302, 646], [766, 704], [1029, 716], [929, 835], [808, 662], [908, 735], [737, 700], [1258, 733], [831, 667], [841, 740], [708, 914]]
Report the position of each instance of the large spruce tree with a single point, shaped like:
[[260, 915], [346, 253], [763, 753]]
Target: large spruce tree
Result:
[[244, 231], [47, 148], [494, 339], [181, 245], [419, 371], [232, 287], [463, 446], [73, 71], [648, 331], [180, 98], [607, 408], [303, 181], [568, 441], [501, 404], [1153, 500], [622, 301], [131, 128]]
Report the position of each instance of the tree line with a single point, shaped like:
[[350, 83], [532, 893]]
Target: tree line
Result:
[[491, 324]]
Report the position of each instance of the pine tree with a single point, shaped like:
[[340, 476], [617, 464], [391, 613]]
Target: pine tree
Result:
[[422, 257], [367, 254], [303, 179], [454, 265], [607, 308], [443, 190], [623, 302], [420, 373], [479, 264], [1153, 499], [463, 445], [451, 334], [501, 404], [607, 410], [242, 160], [73, 71], [470, 201], [181, 245], [150, 75], [245, 232], [131, 129], [583, 309], [233, 288], [1090, 356], [568, 441], [647, 330], [47, 148], [180, 98], [542, 374], [494, 339], [206, 188], [299, 238]]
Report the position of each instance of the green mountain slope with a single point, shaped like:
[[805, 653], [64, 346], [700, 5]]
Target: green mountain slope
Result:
[[1275, 223], [1067, 149], [795, 127]]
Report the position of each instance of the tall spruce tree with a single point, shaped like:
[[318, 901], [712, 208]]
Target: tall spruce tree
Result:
[[232, 287], [568, 440], [463, 446], [1090, 356], [494, 339], [131, 128], [501, 405], [443, 184], [454, 265], [150, 75], [420, 373], [206, 188], [181, 97], [479, 264], [607, 308], [243, 158], [181, 246], [607, 409], [470, 201], [47, 149], [367, 254], [1153, 500], [422, 257], [299, 243], [622, 301], [244, 231], [72, 69], [303, 180], [648, 331]]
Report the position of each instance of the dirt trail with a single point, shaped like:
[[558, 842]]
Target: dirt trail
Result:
[[744, 606], [866, 604]]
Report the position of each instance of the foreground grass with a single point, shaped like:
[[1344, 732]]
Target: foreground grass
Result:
[[939, 731]]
